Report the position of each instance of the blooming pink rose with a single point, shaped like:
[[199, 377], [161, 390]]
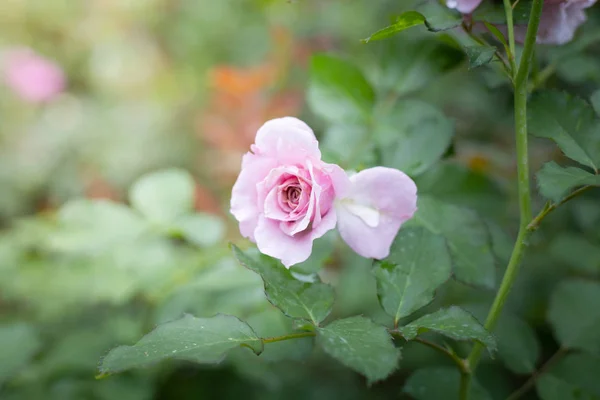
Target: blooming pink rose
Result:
[[286, 196], [32, 77]]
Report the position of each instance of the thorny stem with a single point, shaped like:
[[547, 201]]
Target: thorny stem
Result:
[[520, 105]]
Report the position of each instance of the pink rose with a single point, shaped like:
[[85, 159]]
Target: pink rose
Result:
[[32, 77], [286, 196]]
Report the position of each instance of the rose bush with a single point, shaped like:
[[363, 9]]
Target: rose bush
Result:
[[560, 18], [286, 196]]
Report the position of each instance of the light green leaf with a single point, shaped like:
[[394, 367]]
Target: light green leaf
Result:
[[201, 229], [202, 340], [570, 122], [479, 55], [311, 301], [18, 344], [440, 383], [452, 322], [572, 378], [93, 226], [467, 237], [555, 182], [418, 264], [421, 63], [360, 344], [163, 196], [403, 21], [595, 99], [574, 315], [413, 136], [338, 90]]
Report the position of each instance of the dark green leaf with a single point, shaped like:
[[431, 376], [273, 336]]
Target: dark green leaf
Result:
[[497, 34], [418, 264], [18, 344], [479, 55], [413, 136], [577, 252], [452, 322], [555, 182], [493, 13], [163, 196], [574, 315], [402, 22], [595, 99], [467, 238], [338, 91], [362, 345], [568, 121], [297, 299], [572, 378], [202, 340], [440, 383]]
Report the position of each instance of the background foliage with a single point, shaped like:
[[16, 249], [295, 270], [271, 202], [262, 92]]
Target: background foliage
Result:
[[114, 199]]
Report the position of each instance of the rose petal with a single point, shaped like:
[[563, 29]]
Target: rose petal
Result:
[[463, 6], [244, 206], [288, 140], [380, 201], [272, 241]]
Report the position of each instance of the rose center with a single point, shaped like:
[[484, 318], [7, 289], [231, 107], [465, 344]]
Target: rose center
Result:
[[290, 197]]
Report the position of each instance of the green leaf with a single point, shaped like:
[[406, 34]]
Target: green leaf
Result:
[[570, 122], [577, 252], [440, 383], [418, 264], [93, 226], [297, 299], [571, 378], [403, 21], [421, 63], [555, 182], [201, 229], [338, 90], [453, 322], [413, 136], [493, 13], [202, 340], [467, 237], [574, 316], [497, 34], [479, 55], [595, 99], [163, 196], [18, 344], [518, 346], [362, 345]]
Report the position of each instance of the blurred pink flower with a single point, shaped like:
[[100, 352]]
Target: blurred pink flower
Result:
[[31, 76], [286, 196], [464, 6], [560, 19]]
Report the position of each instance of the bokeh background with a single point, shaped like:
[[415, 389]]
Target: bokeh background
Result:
[[177, 89]]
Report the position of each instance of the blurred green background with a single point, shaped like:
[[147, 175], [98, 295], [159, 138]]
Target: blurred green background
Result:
[[173, 91]]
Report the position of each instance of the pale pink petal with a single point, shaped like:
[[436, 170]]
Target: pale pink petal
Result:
[[244, 206], [380, 201], [463, 6], [272, 241], [288, 140]]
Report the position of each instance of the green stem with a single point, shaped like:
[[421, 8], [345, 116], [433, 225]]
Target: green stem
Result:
[[508, 10], [535, 223], [288, 337], [520, 104]]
